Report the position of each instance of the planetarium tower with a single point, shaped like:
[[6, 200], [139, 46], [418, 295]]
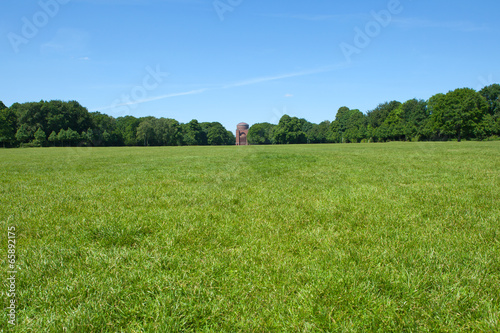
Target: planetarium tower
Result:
[[241, 134]]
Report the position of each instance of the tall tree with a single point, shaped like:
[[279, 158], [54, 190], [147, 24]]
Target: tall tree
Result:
[[289, 131], [348, 126], [492, 95], [415, 113], [40, 137], [458, 113], [355, 126], [61, 136], [103, 123], [192, 133], [52, 116], [319, 132], [217, 135], [377, 116], [8, 126], [491, 124], [393, 126], [167, 132], [145, 131], [23, 134], [126, 128], [261, 134], [72, 136], [230, 138], [53, 138]]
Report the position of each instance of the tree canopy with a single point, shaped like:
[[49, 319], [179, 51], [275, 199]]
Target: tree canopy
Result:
[[461, 114]]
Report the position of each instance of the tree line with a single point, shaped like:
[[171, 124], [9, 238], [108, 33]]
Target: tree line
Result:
[[461, 114], [58, 123]]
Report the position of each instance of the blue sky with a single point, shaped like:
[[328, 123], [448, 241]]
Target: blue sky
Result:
[[243, 60]]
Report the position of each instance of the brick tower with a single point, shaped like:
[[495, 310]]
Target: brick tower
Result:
[[241, 134]]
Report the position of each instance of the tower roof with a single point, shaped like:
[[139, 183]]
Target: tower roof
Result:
[[243, 126]]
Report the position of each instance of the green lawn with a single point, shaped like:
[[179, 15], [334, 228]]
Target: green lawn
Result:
[[401, 237]]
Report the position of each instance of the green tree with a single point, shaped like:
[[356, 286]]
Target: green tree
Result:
[[89, 137], [487, 127], [415, 114], [458, 113], [61, 136], [435, 104], [492, 95], [53, 138], [145, 131], [230, 138], [168, 132], [40, 137], [8, 126], [355, 126], [53, 115], [261, 134], [348, 126], [192, 133], [126, 128], [217, 135], [393, 126], [377, 116], [103, 123], [324, 130], [289, 131], [305, 126], [106, 137], [335, 133], [159, 129], [72, 136], [23, 134], [319, 132]]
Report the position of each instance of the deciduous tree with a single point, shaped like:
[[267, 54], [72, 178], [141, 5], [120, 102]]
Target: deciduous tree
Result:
[[458, 113], [8, 126], [261, 134], [53, 138], [289, 131], [23, 134], [40, 137]]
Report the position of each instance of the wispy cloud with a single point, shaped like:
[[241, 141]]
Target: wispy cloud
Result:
[[230, 85], [283, 76], [67, 42], [151, 99], [305, 17], [464, 26], [312, 17], [137, 2]]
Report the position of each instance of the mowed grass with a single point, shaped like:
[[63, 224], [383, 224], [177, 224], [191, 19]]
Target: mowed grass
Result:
[[401, 237]]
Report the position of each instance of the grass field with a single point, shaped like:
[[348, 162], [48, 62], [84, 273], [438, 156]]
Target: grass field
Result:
[[401, 237]]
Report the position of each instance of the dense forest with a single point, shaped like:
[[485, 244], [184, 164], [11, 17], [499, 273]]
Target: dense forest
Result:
[[58, 123], [462, 114]]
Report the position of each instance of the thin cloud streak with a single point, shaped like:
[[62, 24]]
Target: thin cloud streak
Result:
[[284, 76], [313, 17], [231, 85], [151, 99], [465, 26]]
